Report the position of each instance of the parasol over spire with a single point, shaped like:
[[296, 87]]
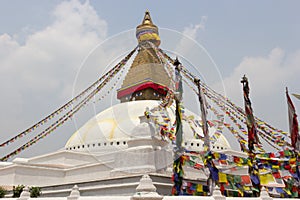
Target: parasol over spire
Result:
[[147, 31]]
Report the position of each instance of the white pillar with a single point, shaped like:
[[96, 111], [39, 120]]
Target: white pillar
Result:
[[146, 190], [75, 194], [264, 195], [217, 195], [25, 194]]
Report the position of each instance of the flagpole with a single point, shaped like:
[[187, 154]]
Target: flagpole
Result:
[[178, 158], [252, 138], [208, 158], [203, 115]]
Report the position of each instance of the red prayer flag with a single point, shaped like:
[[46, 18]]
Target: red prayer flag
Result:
[[276, 175], [293, 122], [246, 179], [198, 166]]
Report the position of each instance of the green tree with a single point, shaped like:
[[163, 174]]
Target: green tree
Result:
[[17, 191], [35, 192], [2, 192]]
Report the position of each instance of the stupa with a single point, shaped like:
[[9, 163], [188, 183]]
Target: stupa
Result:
[[110, 153]]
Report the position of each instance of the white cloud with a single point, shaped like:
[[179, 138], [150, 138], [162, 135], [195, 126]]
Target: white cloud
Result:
[[52, 51], [36, 76], [192, 30], [81, 18], [8, 45], [268, 76], [188, 37]]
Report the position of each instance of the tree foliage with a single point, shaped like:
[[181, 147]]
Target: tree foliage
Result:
[[35, 192], [17, 190], [2, 192]]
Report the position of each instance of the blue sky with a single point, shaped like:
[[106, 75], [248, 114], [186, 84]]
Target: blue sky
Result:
[[43, 43], [242, 28]]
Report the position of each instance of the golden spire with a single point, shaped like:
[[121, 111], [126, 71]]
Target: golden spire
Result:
[[147, 19], [147, 31], [147, 78]]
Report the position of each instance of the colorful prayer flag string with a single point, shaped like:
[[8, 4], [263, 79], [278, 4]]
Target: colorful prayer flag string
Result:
[[73, 110]]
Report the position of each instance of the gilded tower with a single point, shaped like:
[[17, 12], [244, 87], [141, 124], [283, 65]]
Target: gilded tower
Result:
[[146, 78]]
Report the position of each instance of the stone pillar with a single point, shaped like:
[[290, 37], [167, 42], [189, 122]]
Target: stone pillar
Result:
[[264, 195], [146, 190], [217, 195], [75, 194], [25, 194]]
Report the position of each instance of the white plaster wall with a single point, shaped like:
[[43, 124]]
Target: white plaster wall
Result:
[[63, 158], [87, 173], [7, 175], [28, 175]]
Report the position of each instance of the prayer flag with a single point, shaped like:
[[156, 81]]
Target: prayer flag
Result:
[[297, 96], [222, 178], [203, 106], [246, 179], [293, 122], [199, 188], [251, 125], [265, 179]]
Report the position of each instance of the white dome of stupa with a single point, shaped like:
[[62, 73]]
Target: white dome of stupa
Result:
[[118, 124]]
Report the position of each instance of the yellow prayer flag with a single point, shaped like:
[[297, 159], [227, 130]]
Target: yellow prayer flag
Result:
[[239, 164], [287, 191], [217, 155], [240, 192], [263, 171], [292, 160], [249, 162], [199, 188], [246, 188], [222, 177], [266, 178], [270, 178], [263, 179], [275, 166], [243, 141]]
